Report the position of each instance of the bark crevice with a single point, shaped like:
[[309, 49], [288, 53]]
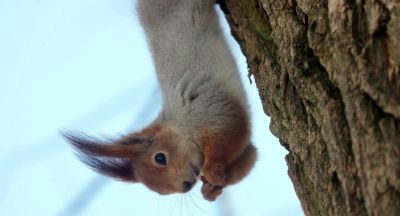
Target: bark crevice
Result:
[[328, 75]]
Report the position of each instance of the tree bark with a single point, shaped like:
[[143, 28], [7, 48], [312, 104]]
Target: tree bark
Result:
[[328, 73]]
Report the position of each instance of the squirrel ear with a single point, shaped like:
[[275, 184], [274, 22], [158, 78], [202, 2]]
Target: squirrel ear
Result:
[[108, 157]]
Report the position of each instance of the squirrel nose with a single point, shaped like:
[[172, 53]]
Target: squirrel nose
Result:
[[187, 186]]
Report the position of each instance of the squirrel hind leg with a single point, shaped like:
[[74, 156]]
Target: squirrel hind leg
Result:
[[240, 167]]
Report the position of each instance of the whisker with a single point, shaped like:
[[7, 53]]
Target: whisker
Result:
[[189, 201], [159, 201], [181, 208], [204, 211], [197, 196], [173, 207], [186, 204]]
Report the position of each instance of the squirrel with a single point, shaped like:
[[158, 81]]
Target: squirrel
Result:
[[203, 129]]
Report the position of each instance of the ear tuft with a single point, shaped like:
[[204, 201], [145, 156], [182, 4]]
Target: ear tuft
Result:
[[104, 155], [85, 143], [118, 168], [90, 145]]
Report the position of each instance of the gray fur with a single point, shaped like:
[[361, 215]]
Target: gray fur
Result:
[[198, 76]]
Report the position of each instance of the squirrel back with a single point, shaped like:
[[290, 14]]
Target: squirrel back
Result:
[[187, 45]]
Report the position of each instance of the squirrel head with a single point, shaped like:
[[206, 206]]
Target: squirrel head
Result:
[[158, 156]]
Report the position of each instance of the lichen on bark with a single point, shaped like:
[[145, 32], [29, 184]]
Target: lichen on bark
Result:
[[328, 73]]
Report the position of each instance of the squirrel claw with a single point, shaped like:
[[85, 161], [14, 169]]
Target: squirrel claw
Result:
[[210, 192]]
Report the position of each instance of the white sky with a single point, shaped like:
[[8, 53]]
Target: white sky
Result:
[[84, 65]]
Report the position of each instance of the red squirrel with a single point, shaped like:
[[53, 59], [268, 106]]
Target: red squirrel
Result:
[[203, 128]]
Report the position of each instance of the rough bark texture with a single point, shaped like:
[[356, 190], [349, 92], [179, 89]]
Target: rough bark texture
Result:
[[328, 73]]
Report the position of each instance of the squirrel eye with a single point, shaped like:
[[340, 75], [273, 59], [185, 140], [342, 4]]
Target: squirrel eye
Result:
[[161, 159]]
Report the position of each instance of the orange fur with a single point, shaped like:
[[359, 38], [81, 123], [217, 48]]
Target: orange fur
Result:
[[223, 147]]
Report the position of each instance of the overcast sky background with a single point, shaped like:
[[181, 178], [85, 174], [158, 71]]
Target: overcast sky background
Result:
[[84, 65]]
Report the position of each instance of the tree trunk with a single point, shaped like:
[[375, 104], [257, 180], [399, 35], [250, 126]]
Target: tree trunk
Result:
[[328, 73]]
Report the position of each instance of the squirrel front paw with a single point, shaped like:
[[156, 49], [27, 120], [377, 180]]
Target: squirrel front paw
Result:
[[214, 174], [210, 192]]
